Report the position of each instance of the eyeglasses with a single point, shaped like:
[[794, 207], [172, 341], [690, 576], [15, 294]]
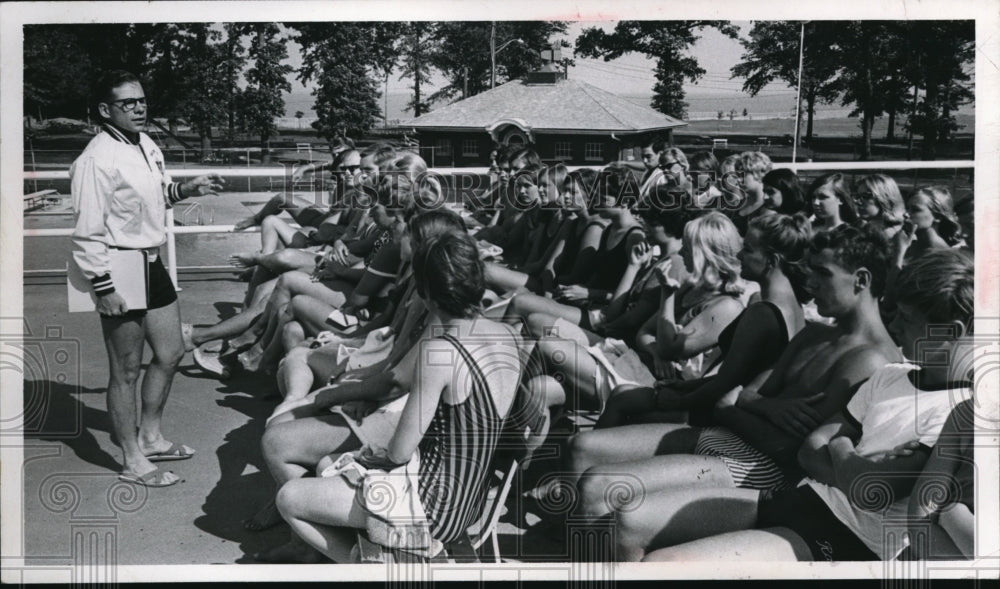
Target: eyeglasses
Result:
[[129, 104], [671, 165]]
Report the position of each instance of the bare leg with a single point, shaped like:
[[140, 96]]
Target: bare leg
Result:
[[503, 279], [291, 449], [573, 366], [295, 377], [623, 485], [238, 323], [290, 258], [163, 332], [625, 404], [771, 544], [526, 303], [123, 338], [324, 513], [682, 514], [311, 312], [629, 443]]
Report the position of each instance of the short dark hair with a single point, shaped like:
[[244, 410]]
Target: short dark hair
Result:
[[105, 84], [449, 271], [654, 142], [786, 182], [587, 179], [855, 248]]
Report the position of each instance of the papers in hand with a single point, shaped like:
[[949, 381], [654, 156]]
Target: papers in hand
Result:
[[129, 273]]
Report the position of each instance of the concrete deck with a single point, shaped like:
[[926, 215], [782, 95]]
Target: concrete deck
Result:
[[71, 464]]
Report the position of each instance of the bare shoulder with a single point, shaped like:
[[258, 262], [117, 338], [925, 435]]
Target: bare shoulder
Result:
[[863, 360]]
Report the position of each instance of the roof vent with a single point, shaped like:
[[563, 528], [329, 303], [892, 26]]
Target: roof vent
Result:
[[549, 74]]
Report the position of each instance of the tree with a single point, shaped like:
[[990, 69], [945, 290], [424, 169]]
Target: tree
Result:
[[744, 112], [343, 59], [416, 49], [462, 54], [941, 54], [203, 93], [719, 115], [235, 61], [56, 71], [665, 41], [867, 78], [298, 115], [732, 114], [772, 53], [262, 100]]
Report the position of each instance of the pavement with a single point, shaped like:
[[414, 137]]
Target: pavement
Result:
[[71, 489]]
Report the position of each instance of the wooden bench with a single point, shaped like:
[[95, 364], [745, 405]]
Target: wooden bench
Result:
[[720, 143], [37, 199]]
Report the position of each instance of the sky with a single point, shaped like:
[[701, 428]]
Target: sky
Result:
[[631, 74]]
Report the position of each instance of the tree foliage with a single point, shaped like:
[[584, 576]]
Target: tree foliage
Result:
[[344, 60], [267, 79], [872, 66], [667, 42], [462, 53], [772, 53], [416, 50]]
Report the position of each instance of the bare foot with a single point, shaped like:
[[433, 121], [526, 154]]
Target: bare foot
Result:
[[245, 224], [250, 359], [244, 340], [267, 517], [244, 260], [290, 553]]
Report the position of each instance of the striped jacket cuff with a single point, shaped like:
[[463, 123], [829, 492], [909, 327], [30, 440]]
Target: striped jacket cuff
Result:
[[103, 285], [174, 193]]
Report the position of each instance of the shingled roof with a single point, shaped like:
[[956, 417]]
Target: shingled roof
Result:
[[567, 105]]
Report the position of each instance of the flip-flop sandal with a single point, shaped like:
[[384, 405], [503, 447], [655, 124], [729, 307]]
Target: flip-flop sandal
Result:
[[174, 452], [211, 363], [153, 478]]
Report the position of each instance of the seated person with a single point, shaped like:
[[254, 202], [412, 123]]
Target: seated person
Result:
[[773, 256], [832, 203], [581, 372], [680, 341], [879, 203], [612, 272], [755, 449], [942, 527], [450, 419], [306, 368], [573, 249], [783, 193], [858, 481]]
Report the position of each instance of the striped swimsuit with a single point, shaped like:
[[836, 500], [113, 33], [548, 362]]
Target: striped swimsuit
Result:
[[456, 454]]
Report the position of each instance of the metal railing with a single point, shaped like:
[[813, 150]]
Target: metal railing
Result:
[[173, 230]]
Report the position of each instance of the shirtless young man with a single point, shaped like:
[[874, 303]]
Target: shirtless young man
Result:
[[813, 379]]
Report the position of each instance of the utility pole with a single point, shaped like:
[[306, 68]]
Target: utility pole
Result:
[[798, 93], [493, 54]]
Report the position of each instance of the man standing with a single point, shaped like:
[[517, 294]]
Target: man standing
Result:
[[120, 196]]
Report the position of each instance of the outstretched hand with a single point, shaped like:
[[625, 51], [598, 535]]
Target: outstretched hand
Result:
[[203, 185]]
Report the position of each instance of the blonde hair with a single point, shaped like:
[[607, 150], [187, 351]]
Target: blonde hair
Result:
[[714, 244], [756, 163], [940, 204], [886, 194]]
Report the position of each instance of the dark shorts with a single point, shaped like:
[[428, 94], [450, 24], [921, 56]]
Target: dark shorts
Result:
[[161, 291], [802, 511]]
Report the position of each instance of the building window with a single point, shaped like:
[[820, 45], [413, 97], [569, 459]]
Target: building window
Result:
[[470, 148], [443, 146], [563, 150], [594, 151]]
